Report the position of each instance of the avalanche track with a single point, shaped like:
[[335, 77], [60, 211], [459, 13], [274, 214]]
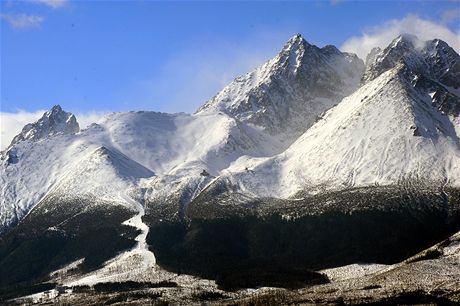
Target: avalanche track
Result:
[[141, 247]]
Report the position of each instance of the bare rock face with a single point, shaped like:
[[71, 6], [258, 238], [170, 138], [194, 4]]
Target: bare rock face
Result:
[[54, 121]]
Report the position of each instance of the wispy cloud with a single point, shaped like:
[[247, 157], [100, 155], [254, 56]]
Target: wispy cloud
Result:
[[449, 16], [381, 35], [12, 123], [190, 77], [85, 119], [51, 3], [23, 21]]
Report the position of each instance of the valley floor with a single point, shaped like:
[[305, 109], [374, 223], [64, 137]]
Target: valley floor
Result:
[[430, 277]]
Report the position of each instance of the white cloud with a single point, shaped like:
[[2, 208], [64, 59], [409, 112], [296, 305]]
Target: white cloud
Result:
[[382, 35], [51, 3], [85, 119], [11, 124], [23, 21]]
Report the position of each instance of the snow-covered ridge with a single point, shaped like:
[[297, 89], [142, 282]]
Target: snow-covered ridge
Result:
[[104, 173]]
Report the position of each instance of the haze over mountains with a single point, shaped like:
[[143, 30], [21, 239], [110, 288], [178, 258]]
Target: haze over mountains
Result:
[[310, 122]]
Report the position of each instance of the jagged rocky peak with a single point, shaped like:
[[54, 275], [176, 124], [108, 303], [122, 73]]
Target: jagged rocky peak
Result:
[[295, 43], [433, 65], [402, 48], [55, 121], [288, 93], [299, 56], [406, 40], [434, 59], [293, 52], [445, 62]]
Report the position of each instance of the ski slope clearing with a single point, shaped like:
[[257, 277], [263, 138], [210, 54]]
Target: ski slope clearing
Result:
[[129, 265]]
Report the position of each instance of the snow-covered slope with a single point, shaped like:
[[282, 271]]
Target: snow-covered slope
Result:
[[103, 174], [70, 165], [164, 142]]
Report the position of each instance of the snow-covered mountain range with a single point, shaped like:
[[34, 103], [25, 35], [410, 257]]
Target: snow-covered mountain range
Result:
[[308, 122], [274, 132], [259, 115], [394, 129]]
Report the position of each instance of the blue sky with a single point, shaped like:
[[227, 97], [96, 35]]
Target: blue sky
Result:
[[172, 56]]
